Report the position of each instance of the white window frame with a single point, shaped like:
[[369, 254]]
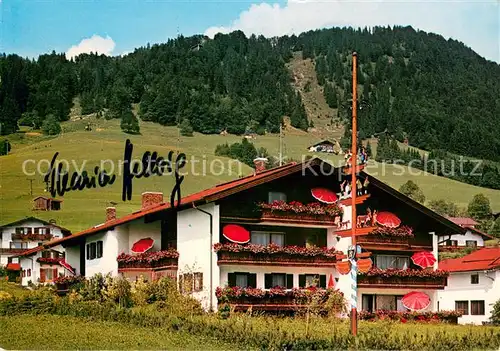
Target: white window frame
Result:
[[280, 195], [269, 234]]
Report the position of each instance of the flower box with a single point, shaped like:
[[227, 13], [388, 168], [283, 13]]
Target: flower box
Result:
[[312, 212], [403, 317], [148, 259], [403, 277], [269, 254], [32, 237], [48, 260]]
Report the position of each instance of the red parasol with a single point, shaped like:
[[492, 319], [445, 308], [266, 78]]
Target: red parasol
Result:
[[416, 301], [235, 233], [388, 219], [142, 245], [65, 264], [324, 195], [423, 259], [343, 267], [364, 265], [331, 282]]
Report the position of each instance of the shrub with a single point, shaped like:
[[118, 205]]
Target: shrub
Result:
[[118, 290], [495, 314], [51, 125]]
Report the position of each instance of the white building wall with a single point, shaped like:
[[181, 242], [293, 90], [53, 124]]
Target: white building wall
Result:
[[139, 230], [462, 238], [6, 236], [73, 257], [195, 248], [261, 270], [459, 288], [107, 263]]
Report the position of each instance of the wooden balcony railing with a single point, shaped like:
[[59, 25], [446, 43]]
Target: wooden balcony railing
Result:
[[273, 255], [415, 279], [157, 259], [305, 218], [378, 242], [32, 237]]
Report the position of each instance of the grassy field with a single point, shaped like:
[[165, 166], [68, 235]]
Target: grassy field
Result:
[[47, 332], [81, 209]]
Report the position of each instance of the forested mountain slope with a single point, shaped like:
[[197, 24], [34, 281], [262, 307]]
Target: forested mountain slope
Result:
[[437, 92]]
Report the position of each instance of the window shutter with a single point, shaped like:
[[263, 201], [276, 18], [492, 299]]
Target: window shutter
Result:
[[99, 249], [289, 281], [87, 247], [42, 275], [54, 274], [322, 281], [231, 279], [252, 280], [268, 281], [302, 280]]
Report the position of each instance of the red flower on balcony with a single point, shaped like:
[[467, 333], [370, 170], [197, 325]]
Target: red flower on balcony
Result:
[[146, 259], [276, 249], [403, 317], [48, 260], [401, 232], [405, 273], [313, 208]]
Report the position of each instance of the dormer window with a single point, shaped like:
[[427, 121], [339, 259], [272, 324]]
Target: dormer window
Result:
[[276, 196]]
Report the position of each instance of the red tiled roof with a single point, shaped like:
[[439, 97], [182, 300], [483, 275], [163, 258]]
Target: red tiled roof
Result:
[[13, 266], [463, 221], [480, 260], [207, 195]]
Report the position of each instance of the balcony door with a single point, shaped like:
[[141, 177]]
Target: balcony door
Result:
[[265, 238]]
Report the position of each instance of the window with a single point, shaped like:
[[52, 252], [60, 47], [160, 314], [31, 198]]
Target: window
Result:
[[474, 278], [272, 280], [471, 243], [399, 304], [49, 274], [276, 196], [309, 280], [477, 308], [395, 262], [367, 302], [29, 272], [18, 245], [24, 273], [191, 282], [265, 238], [462, 307], [242, 279], [13, 260], [23, 230], [452, 242], [94, 250], [99, 249]]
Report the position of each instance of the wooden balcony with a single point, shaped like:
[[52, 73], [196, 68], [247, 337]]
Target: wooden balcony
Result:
[[6, 250], [277, 259], [379, 242], [398, 282], [298, 218], [31, 237], [164, 263]]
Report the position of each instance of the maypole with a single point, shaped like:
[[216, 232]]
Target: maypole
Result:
[[354, 162]]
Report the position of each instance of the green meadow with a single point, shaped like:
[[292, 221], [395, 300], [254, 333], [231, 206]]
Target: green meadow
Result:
[[82, 209]]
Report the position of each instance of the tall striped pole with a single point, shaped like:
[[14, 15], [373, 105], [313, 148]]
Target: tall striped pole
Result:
[[354, 163]]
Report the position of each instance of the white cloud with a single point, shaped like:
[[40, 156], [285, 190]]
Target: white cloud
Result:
[[473, 23], [96, 44]]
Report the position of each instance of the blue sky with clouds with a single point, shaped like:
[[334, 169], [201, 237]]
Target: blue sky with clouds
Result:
[[31, 27]]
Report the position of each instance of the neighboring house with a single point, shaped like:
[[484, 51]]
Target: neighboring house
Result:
[[199, 223], [473, 285], [42, 203], [26, 233], [472, 238], [326, 146]]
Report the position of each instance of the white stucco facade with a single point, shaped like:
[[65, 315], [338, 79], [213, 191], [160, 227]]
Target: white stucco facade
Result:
[[460, 288], [195, 247], [8, 243], [463, 238]]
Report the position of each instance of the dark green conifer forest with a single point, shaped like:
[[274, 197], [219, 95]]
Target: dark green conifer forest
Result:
[[437, 93]]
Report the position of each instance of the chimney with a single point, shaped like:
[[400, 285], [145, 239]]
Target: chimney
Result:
[[260, 164], [110, 213], [150, 199]]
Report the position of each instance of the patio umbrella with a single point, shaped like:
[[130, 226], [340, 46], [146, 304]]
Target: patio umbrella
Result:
[[65, 264], [142, 245], [324, 195], [343, 267], [364, 265], [388, 219], [236, 234], [423, 259], [416, 301], [331, 282]]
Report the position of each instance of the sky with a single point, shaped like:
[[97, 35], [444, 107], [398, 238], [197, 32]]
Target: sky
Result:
[[33, 27]]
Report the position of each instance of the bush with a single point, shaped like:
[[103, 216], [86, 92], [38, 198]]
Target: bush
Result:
[[51, 125], [495, 314], [185, 128]]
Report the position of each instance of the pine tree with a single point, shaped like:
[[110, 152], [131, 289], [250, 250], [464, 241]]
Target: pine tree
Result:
[[51, 125], [129, 123], [479, 207]]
